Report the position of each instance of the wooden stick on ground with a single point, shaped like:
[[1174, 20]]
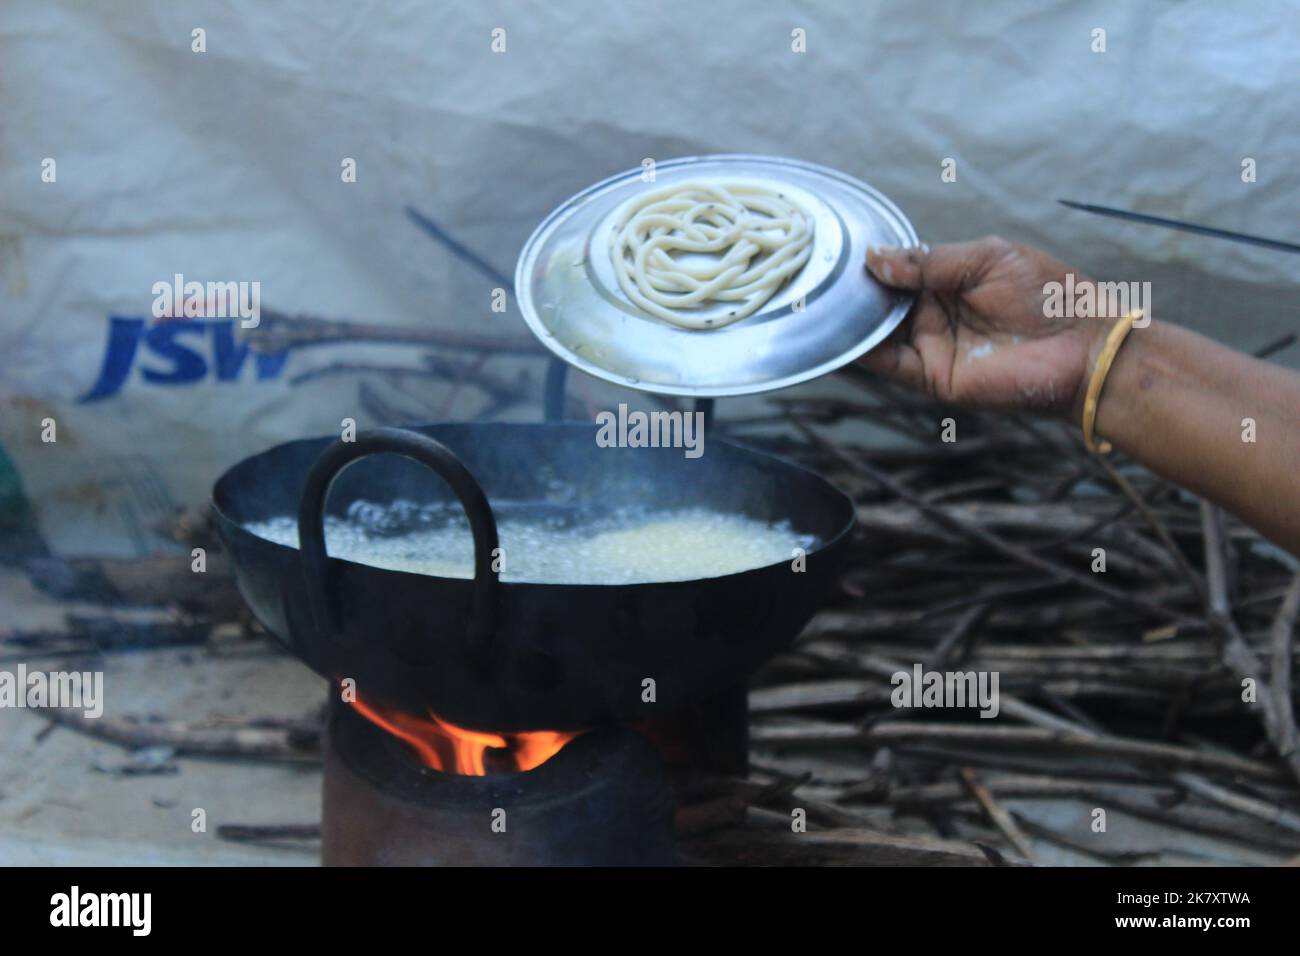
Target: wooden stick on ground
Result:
[[1283, 640], [997, 814], [256, 832], [1278, 721], [290, 741], [996, 542]]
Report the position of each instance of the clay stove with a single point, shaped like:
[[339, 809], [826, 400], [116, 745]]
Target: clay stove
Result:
[[600, 798]]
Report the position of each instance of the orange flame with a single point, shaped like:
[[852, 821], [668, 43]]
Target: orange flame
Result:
[[441, 745]]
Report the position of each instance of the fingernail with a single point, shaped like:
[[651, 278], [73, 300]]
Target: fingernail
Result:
[[878, 262]]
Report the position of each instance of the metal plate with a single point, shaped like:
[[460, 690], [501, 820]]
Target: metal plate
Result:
[[570, 299]]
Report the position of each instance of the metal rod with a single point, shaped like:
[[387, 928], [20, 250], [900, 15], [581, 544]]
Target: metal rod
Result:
[[557, 373], [459, 249], [1183, 226]]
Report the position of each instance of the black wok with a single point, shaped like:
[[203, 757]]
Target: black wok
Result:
[[502, 655]]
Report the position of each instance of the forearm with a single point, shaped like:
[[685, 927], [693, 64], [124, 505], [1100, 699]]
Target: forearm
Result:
[[1179, 403]]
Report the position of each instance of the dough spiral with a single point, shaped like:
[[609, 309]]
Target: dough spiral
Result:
[[758, 237]]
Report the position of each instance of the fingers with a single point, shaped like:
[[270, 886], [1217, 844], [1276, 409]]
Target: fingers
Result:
[[897, 267], [896, 359], [950, 268], [919, 353]]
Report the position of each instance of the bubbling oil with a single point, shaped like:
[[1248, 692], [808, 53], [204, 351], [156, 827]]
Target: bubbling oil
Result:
[[623, 546]]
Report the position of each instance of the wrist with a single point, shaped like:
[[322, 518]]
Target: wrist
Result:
[[1142, 365]]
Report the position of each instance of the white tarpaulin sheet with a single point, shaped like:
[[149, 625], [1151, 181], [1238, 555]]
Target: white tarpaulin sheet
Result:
[[227, 165]]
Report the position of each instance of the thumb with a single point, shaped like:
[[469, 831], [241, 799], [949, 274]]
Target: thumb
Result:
[[951, 268], [897, 267]]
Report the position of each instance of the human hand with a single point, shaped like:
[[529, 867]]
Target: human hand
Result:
[[979, 335]]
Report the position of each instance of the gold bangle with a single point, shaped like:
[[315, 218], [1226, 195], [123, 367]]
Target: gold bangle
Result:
[[1099, 372]]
